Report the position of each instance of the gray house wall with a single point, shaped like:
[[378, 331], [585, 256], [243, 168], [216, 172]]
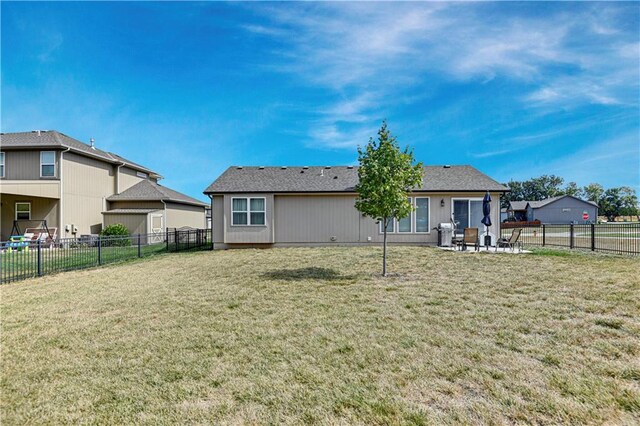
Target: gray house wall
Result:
[[328, 219], [565, 210]]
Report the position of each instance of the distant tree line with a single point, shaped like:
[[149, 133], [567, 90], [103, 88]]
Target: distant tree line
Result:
[[612, 202]]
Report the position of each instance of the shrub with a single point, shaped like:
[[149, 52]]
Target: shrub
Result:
[[116, 230]]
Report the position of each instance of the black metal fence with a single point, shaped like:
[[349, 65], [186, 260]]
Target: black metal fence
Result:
[[609, 237], [21, 259]]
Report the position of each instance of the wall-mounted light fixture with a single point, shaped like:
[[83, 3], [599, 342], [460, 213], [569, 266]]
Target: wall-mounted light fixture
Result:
[[442, 202]]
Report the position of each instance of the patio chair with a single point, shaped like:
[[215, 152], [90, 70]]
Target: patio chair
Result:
[[470, 237], [512, 241]]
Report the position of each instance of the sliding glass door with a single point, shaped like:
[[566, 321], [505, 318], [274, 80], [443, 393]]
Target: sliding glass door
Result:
[[467, 213]]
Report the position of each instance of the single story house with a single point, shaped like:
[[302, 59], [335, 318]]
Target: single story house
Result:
[[309, 206], [563, 209]]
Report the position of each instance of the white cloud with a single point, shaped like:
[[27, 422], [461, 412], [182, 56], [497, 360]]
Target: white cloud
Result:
[[589, 164], [362, 53]]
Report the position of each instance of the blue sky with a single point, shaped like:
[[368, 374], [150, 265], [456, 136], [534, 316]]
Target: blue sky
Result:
[[188, 89]]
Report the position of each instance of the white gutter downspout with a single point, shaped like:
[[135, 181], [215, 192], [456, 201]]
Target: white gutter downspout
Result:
[[118, 177], [60, 207]]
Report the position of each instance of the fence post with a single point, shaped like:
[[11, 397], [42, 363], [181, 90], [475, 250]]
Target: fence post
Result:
[[166, 237], [544, 235], [593, 237], [571, 236], [175, 236], [139, 248], [99, 249], [39, 257]]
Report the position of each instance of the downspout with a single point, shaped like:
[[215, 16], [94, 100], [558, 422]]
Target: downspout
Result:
[[60, 208], [164, 214], [118, 177], [205, 218]]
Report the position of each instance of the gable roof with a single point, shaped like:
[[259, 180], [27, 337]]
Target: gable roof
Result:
[[56, 140], [147, 190], [342, 179], [519, 205], [522, 205]]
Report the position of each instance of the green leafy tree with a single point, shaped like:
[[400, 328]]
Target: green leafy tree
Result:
[[542, 187], [593, 192], [387, 175], [621, 201], [573, 189], [516, 193]]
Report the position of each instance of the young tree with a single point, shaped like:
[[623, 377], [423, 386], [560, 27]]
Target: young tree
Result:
[[386, 175]]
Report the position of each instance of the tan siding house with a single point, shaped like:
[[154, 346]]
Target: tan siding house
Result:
[[308, 206], [49, 176]]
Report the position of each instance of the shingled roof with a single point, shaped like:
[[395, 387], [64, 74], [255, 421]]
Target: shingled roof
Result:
[[146, 190], [342, 179], [53, 139], [522, 205]]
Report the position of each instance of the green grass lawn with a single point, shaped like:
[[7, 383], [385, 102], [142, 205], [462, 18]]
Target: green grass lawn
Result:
[[317, 336], [25, 263]]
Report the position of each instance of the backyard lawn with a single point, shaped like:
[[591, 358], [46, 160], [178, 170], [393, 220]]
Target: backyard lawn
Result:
[[317, 336]]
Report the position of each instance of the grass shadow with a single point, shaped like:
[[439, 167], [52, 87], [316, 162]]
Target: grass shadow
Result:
[[310, 273]]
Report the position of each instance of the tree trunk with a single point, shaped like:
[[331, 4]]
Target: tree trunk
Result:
[[384, 249]]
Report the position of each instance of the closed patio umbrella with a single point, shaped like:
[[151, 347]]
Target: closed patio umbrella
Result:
[[486, 211]]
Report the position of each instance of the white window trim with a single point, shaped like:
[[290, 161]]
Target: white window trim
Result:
[[48, 164], [468, 200], [411, 220], [249, 211], [415, 216], [2, 163], [396, 224], [393, 227], [16, 209]]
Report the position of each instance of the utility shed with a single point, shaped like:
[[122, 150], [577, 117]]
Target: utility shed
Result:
[[148, 207], [138, 221]]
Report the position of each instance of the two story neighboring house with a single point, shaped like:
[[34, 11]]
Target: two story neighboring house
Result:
[[47, 175]]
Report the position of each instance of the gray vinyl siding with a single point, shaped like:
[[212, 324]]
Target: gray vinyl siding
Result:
[[262, 234], [330, 219], [315, 219], [553, 212], [217, 218], [25, 165]]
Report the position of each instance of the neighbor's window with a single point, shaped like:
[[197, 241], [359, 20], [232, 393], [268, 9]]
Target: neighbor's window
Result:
[[142, 175], [404, 224], [248, 211], [422, 214], [1, 164], [47, 163], [23, 211]]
